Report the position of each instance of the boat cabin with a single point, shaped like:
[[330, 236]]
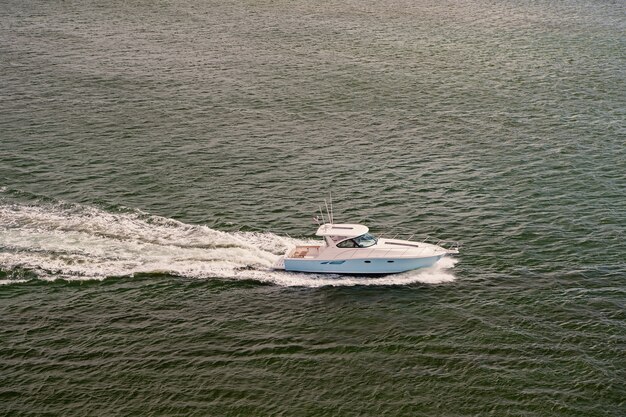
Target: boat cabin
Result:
[[346, 235]]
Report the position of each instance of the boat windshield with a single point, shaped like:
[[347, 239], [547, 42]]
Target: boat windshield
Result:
[[366, 240]]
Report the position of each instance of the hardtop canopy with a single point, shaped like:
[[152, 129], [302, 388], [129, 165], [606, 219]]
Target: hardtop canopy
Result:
[[343, 230]]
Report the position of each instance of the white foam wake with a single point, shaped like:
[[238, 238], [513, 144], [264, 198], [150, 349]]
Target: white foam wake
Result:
[[82, 243]]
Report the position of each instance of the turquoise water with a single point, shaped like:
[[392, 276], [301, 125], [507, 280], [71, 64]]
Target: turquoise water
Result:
[[156, 158]]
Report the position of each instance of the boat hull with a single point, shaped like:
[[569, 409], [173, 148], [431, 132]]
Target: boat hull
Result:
[[373, 266]]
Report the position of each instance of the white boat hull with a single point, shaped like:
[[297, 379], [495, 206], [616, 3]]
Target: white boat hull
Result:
[[374, 266]]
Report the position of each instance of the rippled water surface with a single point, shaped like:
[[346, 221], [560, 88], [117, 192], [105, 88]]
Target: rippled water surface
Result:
[[157, 157]]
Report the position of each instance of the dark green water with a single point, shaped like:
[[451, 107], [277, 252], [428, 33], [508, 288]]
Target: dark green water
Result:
[[153, 155]]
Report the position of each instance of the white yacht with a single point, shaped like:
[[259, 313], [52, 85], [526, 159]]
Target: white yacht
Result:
[[351, 249]]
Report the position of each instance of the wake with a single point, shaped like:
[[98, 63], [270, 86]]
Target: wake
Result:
[[74, 242]]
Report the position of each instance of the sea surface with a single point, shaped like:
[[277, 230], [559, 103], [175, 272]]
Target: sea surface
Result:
[[156, 157]]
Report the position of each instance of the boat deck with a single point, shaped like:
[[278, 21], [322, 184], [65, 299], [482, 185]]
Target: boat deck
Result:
[[309, 251]]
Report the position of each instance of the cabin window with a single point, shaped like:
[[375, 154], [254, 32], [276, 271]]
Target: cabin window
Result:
[[363, 241], [366, 240], [349, 243]]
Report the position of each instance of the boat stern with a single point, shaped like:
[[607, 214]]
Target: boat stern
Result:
[[279, 264]]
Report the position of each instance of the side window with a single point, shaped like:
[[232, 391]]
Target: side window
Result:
[[366, 240], [347, 244]]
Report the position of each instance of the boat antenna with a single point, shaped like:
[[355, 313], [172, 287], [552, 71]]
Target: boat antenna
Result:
[[322, 213], [332, 217]]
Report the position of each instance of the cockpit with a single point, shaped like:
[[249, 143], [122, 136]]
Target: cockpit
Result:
[[364, 241]]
